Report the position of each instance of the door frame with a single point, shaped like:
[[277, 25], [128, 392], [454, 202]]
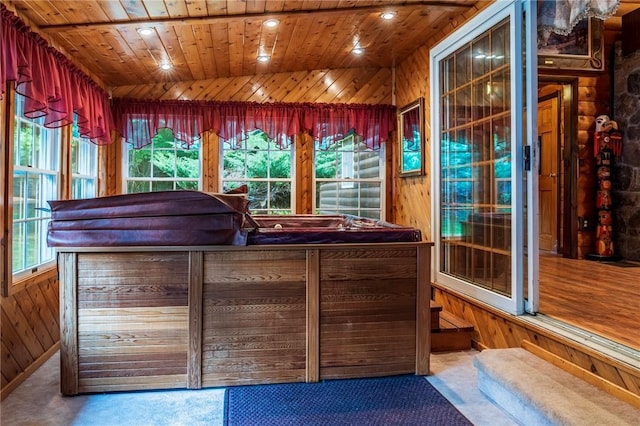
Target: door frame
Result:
[[568, 162], [523, 94], [560, 223]]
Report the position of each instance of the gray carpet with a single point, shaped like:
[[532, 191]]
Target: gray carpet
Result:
[[538, 393], [153, 408]]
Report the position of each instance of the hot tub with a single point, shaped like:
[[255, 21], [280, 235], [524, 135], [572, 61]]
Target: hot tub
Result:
[[143, 316], [327, 229]]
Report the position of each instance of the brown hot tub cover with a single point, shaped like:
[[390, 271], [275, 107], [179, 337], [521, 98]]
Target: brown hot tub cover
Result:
[[169, 218]]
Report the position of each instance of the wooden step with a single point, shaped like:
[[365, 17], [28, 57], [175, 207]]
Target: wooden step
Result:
[[451, 334], [450, 323]]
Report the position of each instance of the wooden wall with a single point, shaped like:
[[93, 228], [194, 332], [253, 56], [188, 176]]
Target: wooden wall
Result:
[[412, 195], [348, 85], [30, 329], [30, 316]]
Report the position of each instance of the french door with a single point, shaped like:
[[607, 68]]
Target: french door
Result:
[[483, 87]]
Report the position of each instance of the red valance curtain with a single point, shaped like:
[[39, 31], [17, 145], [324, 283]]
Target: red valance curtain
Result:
[[138, 121], [52, 86]]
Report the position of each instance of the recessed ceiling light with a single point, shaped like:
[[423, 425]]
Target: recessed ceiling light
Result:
[[263, 58], [388, 15], [145, 31], [358, 51], [271, 23], [165, 66]]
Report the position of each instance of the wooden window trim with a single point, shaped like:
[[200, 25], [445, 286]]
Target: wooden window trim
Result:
[[8, 284]]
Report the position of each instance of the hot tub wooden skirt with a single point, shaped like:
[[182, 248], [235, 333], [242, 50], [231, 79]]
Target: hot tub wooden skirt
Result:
[[193, 317]]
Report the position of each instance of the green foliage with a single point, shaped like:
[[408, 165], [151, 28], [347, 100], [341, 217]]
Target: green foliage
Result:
[[257, 163], [326, 164], [164, 158]]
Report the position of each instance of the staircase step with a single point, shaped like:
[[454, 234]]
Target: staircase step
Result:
[[535, 391], [450, 323], [448, 332]]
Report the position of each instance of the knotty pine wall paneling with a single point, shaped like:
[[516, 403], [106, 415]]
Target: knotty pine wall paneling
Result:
[[30, 329], [210, 162], [110, 167], [412, 195], [357, 85], [303, 170]]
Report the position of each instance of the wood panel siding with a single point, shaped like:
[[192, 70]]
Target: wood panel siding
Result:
[[411, 196], [254, 318], [133, 309], [176, 317], [30, 330], [367, 327], [346, 85]]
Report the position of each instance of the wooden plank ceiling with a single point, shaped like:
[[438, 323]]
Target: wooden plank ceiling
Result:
[[208, 39]]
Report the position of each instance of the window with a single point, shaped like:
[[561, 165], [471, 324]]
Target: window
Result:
[[266, 170], [84, 166], [163, 165], [349, 178], [36, 171]]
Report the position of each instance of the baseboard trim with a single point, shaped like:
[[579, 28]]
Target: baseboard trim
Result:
[[12, 385]]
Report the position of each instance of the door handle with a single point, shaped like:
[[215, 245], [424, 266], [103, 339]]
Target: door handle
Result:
[[552, 175]]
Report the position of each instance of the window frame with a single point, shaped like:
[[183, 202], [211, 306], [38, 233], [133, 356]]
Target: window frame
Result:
[[93, 175], [381, 179], [14, 282], [53, 170], [291, 179], [150, 180]]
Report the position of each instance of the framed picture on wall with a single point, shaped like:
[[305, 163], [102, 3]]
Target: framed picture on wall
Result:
[[412, 138], [582, 49]]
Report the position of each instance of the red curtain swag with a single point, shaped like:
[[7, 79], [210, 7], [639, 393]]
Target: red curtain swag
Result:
[[55, 89], [138, 121], [52, 86]]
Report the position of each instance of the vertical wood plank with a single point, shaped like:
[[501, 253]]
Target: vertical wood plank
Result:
[[304, 173], [7, 109], [423, 307], [194, 358], [67, 264], [313, 315], [210, 161]]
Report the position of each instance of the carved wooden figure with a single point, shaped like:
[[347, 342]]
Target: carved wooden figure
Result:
[[607, 144]]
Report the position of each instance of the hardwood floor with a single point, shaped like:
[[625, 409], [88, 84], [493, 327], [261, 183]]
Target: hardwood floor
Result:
[[595, 296]]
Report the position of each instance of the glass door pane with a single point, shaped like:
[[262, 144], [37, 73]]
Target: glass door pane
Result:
[[476, 162]]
